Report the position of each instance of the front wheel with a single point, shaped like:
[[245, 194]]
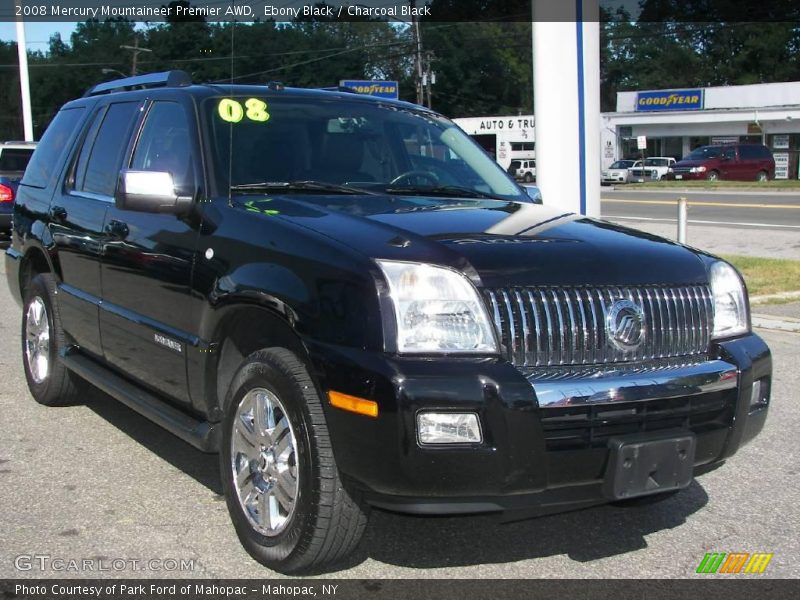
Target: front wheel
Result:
[[528, 178], [712, 176], [290, 508]]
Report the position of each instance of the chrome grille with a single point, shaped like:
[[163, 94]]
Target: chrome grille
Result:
[[546, 326]]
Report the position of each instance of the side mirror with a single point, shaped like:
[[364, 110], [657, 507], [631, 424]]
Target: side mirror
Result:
[[149, 191], [534, 193]]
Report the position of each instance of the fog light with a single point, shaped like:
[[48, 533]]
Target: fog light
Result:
[[759, 396], [448, 428]]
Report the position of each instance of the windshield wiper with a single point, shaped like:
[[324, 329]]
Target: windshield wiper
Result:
[[447, 190], [305, 185]]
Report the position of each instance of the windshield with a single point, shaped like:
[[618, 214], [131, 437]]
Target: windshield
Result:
[[656, 162], [15, 159], [621, 164], [361, 145], [704, 152]]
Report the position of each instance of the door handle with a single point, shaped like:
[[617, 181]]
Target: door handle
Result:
[[58, 213], [117, 230]]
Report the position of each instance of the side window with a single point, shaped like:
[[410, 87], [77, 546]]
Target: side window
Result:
[[165, 145], [100, 158], [47, 158], [729, 153], [747, 152]]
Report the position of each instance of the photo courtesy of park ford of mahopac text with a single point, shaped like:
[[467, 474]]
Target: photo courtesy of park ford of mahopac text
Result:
[[326, 300]]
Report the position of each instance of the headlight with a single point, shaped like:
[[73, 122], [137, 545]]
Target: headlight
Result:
[[670, 170], [437, 310], [730, 306], [697, 170]]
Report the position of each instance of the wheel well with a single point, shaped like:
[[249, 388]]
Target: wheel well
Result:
[[34, 263], [246, 330]]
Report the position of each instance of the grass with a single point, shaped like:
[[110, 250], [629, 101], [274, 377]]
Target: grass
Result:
[[780, 184], [767, 275]]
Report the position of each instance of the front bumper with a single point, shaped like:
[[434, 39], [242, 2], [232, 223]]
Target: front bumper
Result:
[[545, 443], [686, 175]]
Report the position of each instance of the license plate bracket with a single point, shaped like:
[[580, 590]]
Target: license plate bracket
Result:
[[649, 463]]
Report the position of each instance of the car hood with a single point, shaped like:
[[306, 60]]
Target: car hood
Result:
[[497, 242], [691, 163]]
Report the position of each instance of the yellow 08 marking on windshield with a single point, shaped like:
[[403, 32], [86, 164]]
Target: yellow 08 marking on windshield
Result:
[[232, 111], [256, 110]]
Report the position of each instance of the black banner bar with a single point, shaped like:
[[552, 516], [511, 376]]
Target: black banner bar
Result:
[[729, 587], [244, 11]]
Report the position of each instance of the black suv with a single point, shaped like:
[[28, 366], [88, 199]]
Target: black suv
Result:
[[355, 306]]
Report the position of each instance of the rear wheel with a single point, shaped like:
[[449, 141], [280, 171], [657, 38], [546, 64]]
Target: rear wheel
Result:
[[43, 338], [712, 176], [286, 498], [762, 176], [528, 177]]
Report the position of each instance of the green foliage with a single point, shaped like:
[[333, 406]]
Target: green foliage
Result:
[[482, 68]]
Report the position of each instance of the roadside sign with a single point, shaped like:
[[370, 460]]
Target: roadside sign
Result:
[[380, 89], [641, 142]]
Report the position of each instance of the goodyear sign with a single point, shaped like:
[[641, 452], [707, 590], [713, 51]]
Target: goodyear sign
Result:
[[669, 100], [380, 89]]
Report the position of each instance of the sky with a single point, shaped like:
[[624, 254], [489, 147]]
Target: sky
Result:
[[37, 34]]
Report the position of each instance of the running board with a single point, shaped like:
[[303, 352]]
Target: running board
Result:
[[200, 434]]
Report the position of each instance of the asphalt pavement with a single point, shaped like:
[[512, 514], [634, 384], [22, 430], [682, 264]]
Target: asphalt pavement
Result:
[[100, 485], [721, 222]]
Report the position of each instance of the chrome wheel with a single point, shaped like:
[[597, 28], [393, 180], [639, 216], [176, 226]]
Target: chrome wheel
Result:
[[264, 461], [37, 340]]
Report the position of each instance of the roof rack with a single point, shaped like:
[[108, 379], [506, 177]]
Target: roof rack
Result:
[[338, 88], [151, 80]]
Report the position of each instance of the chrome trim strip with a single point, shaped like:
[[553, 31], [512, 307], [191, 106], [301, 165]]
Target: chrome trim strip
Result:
[[617, 386]]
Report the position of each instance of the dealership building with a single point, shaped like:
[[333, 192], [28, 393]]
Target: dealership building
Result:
[[673, 122]]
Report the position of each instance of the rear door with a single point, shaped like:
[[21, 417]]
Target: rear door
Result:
[[749, 162], [77, 215], [148, 313]]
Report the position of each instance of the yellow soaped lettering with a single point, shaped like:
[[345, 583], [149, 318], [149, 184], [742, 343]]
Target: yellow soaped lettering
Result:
[[230, 110]]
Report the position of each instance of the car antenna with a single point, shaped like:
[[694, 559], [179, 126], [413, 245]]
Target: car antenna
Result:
[[230, 124]]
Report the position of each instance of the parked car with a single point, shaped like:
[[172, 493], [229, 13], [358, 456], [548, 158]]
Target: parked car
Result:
[[744, 162], [653, 169], [618, 171], [355, 306], [14, 157], [527, 171]]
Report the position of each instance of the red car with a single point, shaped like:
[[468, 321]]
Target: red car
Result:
[[744, 162]]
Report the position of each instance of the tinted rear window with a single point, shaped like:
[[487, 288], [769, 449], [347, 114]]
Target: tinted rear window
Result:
[[46, 161], [103, 162], [15, 159], [753, 152]]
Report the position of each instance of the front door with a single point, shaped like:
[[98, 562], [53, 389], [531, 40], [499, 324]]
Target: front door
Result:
[[148, 313]]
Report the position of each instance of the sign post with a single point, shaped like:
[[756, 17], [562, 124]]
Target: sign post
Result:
[[641, 145]]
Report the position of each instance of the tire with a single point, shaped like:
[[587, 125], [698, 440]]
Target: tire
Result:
[[762, 176], [43, 338], [528, 178], [313, 520], [712, 176]]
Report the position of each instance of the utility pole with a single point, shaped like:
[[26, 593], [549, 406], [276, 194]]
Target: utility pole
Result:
[[136, 50], [24, 81], [429, 78], [418, 52]]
